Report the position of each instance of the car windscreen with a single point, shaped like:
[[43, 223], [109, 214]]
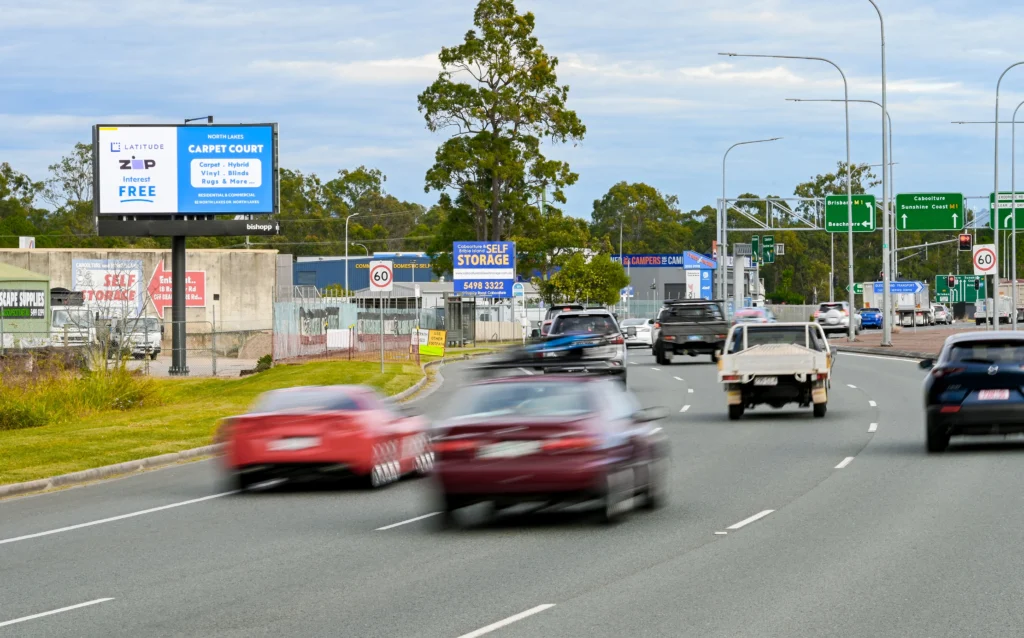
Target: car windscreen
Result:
[[555, 310], [566, 324], [691, 312], [304, 400], [994, 351], [73, 318], [526, 399], [870, 310], [825, 307]]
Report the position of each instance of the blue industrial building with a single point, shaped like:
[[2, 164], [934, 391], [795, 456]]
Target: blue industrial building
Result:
[[328, 271]]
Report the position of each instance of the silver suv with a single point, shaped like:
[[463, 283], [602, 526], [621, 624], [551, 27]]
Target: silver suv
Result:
[[834, 316]]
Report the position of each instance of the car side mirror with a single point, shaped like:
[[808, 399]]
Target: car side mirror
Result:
[[926, 364], [649, 415]]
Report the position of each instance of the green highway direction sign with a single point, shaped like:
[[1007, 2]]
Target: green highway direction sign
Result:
[[930, 211], [963, 292], [769, 249], [755, 249], [1005, 204], [858, 289], [837, 215]]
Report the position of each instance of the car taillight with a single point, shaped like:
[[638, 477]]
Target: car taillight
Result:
[[821, 376], [618, 341], [938, 373], [731, 377], [570, 443], [719, 336], [657, 325], [949, 409], [447, 447], [669, 338]]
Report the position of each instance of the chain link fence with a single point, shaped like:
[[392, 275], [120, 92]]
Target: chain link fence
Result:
[[360, 329]]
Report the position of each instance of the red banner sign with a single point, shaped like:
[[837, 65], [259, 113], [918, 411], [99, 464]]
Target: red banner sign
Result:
[[160, 288]]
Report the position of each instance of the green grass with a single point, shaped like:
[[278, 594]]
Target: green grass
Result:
[[186, 418]]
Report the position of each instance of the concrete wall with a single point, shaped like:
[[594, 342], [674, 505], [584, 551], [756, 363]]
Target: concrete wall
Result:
[[244, 280]]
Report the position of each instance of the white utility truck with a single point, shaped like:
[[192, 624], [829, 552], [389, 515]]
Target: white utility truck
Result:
[[776, 364]]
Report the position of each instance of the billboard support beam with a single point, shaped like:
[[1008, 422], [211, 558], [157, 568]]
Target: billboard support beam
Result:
[[179, 363]]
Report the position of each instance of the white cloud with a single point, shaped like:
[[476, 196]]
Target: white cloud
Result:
[[417, 70]]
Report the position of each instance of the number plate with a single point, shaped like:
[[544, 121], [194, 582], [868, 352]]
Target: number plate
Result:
[[508, 450], [766, 381], [994, 395], [694, 338], [293, 444]]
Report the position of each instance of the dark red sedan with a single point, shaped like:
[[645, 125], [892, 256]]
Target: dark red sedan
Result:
[[324, 430], [550, 440]]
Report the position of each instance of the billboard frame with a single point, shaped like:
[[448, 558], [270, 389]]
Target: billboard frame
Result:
[[274, 171]]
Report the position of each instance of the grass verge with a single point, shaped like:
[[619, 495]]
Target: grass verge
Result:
[[185, 419]]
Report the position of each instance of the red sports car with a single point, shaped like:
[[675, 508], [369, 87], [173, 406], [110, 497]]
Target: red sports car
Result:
[[325, 430], [552, 440]]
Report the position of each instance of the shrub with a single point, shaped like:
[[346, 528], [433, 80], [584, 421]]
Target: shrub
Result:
[[54, 394], [264, 363]]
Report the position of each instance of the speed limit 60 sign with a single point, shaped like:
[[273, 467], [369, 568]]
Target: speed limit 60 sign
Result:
[[984, 259], [382, 276]]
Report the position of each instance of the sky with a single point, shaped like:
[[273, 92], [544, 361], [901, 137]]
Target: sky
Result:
[[660, 105]]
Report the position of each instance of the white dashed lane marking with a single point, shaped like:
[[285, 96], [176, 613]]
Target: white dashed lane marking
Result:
[[844, 462], [873, 427]]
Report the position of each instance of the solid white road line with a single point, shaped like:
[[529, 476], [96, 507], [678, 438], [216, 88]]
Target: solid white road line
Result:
[[844, 462], [874, 356], [872, 404], [656, 369], [850, 385], [508, 621], [873, 427], [528, 372], [114, 518], [684, 408], [411, 520], [55, 611], [748, 521]]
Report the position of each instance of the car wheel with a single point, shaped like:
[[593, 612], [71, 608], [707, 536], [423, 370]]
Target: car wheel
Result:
[[424, 460], [152, 357], [937, 438], [447, 517], [618, 496], [241, 481], [656, 492], [820, 409], [735, 412]]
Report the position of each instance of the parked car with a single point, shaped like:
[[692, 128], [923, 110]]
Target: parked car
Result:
[[322, 431], [941, 314], [549, 440], [976, 387], [835, 316], [690, 327], [870, 318], [639, 332]]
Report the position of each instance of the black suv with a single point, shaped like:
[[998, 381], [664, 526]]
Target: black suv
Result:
[[690, 327]]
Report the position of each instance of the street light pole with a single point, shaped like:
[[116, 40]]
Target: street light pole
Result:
[[723, 225], [995, 204], [347, 292], [851, 334], [1013, 213], [889, 231], [886, 190]]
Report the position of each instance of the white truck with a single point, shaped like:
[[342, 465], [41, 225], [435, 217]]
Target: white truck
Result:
[[1003, 305], [776, 364], [910, 308], [72, 326], [139, 337]]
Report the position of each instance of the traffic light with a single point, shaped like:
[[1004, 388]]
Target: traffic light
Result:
[[966, 243], [977, 283], [951, 281]]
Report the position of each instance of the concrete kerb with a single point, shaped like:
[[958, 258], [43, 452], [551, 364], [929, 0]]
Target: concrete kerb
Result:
[[163, 460], [107, 471], [886, 352]]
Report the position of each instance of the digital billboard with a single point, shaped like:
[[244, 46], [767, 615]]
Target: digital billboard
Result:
[[169, 170]]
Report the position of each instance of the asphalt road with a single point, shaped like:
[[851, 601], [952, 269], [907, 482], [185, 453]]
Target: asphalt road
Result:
[[865, 535]]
